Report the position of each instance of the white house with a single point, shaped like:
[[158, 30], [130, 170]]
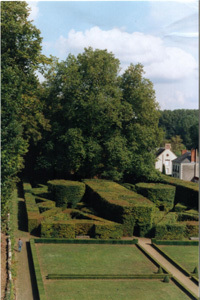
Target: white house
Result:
[[164, 157], [186, 167]]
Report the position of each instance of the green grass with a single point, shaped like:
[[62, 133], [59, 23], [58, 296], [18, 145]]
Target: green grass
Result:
[[186, 256], [93, 259], [112, 290]]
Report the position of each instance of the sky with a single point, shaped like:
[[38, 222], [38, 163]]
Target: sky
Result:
[[161, 35]]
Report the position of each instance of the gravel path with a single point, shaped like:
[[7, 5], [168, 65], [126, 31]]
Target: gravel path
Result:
[[146, 244], [26, 287]]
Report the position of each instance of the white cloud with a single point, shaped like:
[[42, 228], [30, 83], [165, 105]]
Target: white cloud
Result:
[[161, 63], [34, 12]]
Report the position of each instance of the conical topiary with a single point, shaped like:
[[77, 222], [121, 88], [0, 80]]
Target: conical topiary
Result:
[[195, 271], [166, 279], [160, 270]]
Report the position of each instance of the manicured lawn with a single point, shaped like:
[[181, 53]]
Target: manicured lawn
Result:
[[92, 259], [112, 290], [186, 256]]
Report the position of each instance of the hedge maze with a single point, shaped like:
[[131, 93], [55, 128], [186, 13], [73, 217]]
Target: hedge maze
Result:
[[104, 209]]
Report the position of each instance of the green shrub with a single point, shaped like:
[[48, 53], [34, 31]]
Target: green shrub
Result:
[[66, 193], [108, 230], [33, 214], [129, 186], [180, 207], [46, 205], [192, 228], [189, 215], [166, 279], [161, 194], [116, 203], [170, 231], [58, 229], [186, 191], [51, 212]]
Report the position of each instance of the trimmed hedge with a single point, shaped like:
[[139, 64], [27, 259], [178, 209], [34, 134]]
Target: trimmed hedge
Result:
[[33, 214], [66, 193], [180, 243], [97, 227], [58, 229], [162, 195], [106, 276], [186, 191], [166, 231], [190, 215], [116, 203], [180, 207], [45, 205], [108, 230], [40, 286], [87, 241]]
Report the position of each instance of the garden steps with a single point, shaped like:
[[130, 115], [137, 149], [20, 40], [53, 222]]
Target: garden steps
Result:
[[146, 244]]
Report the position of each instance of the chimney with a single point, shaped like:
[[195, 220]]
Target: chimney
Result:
[[183, 151], [168, 146], [193, 155]]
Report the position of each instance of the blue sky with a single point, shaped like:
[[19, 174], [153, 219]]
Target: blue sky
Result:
[[162, 35]]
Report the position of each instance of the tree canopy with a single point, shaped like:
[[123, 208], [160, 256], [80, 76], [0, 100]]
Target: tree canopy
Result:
[[103, 124], [22, 116], [180, 123]]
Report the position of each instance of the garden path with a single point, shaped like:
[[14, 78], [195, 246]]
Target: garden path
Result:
[[25, 285], [146, 244]]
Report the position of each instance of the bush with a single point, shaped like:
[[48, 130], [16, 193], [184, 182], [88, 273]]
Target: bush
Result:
[[108, 230], [186, 191], [66, 193], [161, 194], [58, 229], [116, 203], [33, 214], [190, 215], [46, 205], [180, 207], [192, 228], [170, 231]]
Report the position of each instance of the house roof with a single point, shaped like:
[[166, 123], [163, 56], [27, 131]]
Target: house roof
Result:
[[185, 158], [160, 150]]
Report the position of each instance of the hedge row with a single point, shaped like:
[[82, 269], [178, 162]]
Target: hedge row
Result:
[[86, 241], [106, 276], [162, 195], [186, 192], [176, 231], [114, 202], [40, 286], [32, 210], [184, 243], [66, 193], [70, 229]]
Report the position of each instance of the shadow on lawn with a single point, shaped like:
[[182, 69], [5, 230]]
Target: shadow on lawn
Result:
[[32, 273]]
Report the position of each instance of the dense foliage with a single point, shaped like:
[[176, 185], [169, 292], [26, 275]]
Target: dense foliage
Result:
[[103, 124], [22, 116], [183, 123]]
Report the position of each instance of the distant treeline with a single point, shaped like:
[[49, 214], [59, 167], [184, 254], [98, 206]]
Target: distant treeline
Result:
[[183, 123]]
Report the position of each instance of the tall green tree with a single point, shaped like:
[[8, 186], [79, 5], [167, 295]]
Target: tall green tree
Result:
[[22, 117], [102, 124], [143, 133]]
